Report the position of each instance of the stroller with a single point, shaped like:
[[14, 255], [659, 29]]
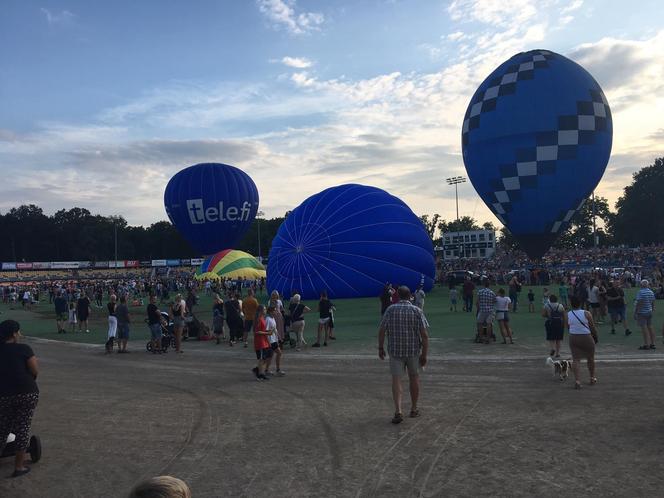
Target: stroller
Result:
[[167, 334], [34, 448]]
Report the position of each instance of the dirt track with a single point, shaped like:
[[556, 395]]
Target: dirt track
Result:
[[488, 428]]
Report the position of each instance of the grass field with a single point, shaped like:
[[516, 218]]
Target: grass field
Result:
[[356, 322]]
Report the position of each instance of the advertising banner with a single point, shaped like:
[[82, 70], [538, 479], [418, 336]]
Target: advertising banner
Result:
[[197, 261], [41, 265], [84, 264], [172, 262], [64, 265], [131, 263], [101, 264], [9, 266], [185, 262], [145, 264], [24, 266], [158, 262]]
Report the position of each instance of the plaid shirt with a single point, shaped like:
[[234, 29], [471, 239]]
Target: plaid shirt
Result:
[[486, 300], [402, 323]]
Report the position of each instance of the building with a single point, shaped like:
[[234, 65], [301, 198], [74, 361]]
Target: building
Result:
[[472, 244]]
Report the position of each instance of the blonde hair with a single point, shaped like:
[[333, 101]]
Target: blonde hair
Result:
[[295, 299], [161, 487]]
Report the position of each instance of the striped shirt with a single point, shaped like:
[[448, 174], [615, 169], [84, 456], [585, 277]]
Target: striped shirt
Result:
[[402, 323], [644, 301]]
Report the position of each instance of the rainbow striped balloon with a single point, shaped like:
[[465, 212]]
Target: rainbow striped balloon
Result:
[[230, 263]]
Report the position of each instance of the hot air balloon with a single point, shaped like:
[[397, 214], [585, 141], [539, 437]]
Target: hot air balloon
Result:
[[536, 140], [350, 240], [231, 264], [212, 205]]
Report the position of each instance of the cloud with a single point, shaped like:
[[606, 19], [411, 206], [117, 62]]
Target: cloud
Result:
[[502, 13], [282, 14], [62, 18], [572, 6], [296, 62]]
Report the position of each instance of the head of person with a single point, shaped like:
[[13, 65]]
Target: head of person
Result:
[[271, 309], [153, 298], [575, 302], [217, 299], [10, 331], [260, 311], [644, 283], [501, 292], [250, 292], [485, 282], [161, 487], [553, 298], [123, 299], [274, 295], [404, 292], [323, 295], [295, 299], [113, 298]]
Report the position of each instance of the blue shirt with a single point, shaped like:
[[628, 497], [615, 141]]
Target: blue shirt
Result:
[[644, 301]]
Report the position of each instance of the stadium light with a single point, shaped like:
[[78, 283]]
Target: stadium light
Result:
[[259, 215], [456, 180]]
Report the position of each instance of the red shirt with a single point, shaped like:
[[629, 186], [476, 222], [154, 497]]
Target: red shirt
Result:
[[260, 340]]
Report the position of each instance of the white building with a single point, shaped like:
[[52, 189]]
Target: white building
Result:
[[473, 244]]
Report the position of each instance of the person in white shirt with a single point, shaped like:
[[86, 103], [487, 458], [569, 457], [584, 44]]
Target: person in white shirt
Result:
[[582, 339], [593, 300], [275, 342], [503, 304]]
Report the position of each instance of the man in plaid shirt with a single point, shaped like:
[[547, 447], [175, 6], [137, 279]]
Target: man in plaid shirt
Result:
[[486, 311], [407, 344]]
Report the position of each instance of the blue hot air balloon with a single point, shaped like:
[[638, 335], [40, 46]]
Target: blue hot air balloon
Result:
[[536, 139], [212, 205], [350, 240]]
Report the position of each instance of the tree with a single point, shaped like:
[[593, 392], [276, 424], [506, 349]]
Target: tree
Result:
[[580, 231], [463, 224], [638, 217], [431, 225]]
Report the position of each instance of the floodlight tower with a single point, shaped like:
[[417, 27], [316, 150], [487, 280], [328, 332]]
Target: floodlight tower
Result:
[[456, 180]]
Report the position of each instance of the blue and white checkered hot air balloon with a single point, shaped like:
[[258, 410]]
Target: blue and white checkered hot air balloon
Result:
[[536, 140]]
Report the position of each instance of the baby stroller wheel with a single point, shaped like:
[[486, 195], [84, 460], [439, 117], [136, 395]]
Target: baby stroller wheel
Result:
[[149, 346], [35, 449], [172, 342]]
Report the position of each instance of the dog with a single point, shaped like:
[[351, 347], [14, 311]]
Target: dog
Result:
[[561, 368]]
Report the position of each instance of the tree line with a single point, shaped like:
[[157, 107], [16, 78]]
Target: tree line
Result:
[[77, 235]]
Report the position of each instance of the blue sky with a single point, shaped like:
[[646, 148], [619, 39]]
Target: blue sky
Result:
[[101, 102]]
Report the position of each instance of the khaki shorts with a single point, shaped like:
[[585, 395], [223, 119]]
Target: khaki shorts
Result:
[[485, 317], [399, 365]]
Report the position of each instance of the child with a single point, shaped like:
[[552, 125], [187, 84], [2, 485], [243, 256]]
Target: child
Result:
[[531, 301], [454, 294], [545, 296], [271, 327], [72, 317], [261, 343]]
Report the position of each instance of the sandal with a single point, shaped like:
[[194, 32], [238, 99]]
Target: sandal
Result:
[[398, 418], [643, 348], [577, 385], [414, 413], [593, 381], [19, 473]]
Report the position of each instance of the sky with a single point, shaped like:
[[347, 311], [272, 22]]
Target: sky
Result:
[[102, 102]]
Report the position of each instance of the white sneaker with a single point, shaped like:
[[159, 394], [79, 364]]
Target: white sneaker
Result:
[[280, 373]]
